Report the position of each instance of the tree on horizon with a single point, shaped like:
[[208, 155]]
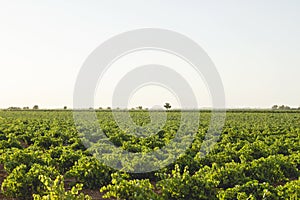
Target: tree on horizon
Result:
[[167, 106], [35, 107]]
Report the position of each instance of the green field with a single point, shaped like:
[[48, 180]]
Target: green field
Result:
[[256, 157]]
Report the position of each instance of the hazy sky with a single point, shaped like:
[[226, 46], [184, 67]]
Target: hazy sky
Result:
[[255, 46]]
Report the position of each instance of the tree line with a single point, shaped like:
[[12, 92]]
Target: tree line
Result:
[[36, 107], [283, 107]]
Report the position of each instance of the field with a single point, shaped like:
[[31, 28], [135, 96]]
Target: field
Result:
[[42, 156]]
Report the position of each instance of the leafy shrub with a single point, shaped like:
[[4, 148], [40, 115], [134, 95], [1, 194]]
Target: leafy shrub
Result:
[[273, 169], [179, 185], [290, 190], [121, 188], [90, 172], [63, 158], [250, 190], [15, 157], [23, 181], [55, 190], [231, 174]]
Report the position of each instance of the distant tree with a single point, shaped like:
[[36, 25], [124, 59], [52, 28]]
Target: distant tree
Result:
[[167, 106], [65, 107], [299, 108], [14, 108], [108, 108], [283, 107], [100, 108], [35, 107], [140, 107], [275, 107], [26, 108]]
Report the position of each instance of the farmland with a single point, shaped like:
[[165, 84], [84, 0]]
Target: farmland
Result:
[[256, 157]]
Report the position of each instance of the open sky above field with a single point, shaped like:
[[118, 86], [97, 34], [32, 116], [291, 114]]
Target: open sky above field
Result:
[[255, 46]]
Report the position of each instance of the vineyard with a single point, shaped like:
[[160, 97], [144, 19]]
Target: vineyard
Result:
[[43, 156]]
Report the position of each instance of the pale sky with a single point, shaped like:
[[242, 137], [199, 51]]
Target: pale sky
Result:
[[255, 46]]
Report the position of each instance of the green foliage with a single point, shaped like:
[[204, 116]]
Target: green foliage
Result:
[[183, 185], [274, 169], [291, 190], [249, 190], [90, 172], [14, 157], [23, 181], [63, 158], [121, 188], [55, 190]]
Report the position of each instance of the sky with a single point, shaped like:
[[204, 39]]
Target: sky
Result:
[[255, 46]]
